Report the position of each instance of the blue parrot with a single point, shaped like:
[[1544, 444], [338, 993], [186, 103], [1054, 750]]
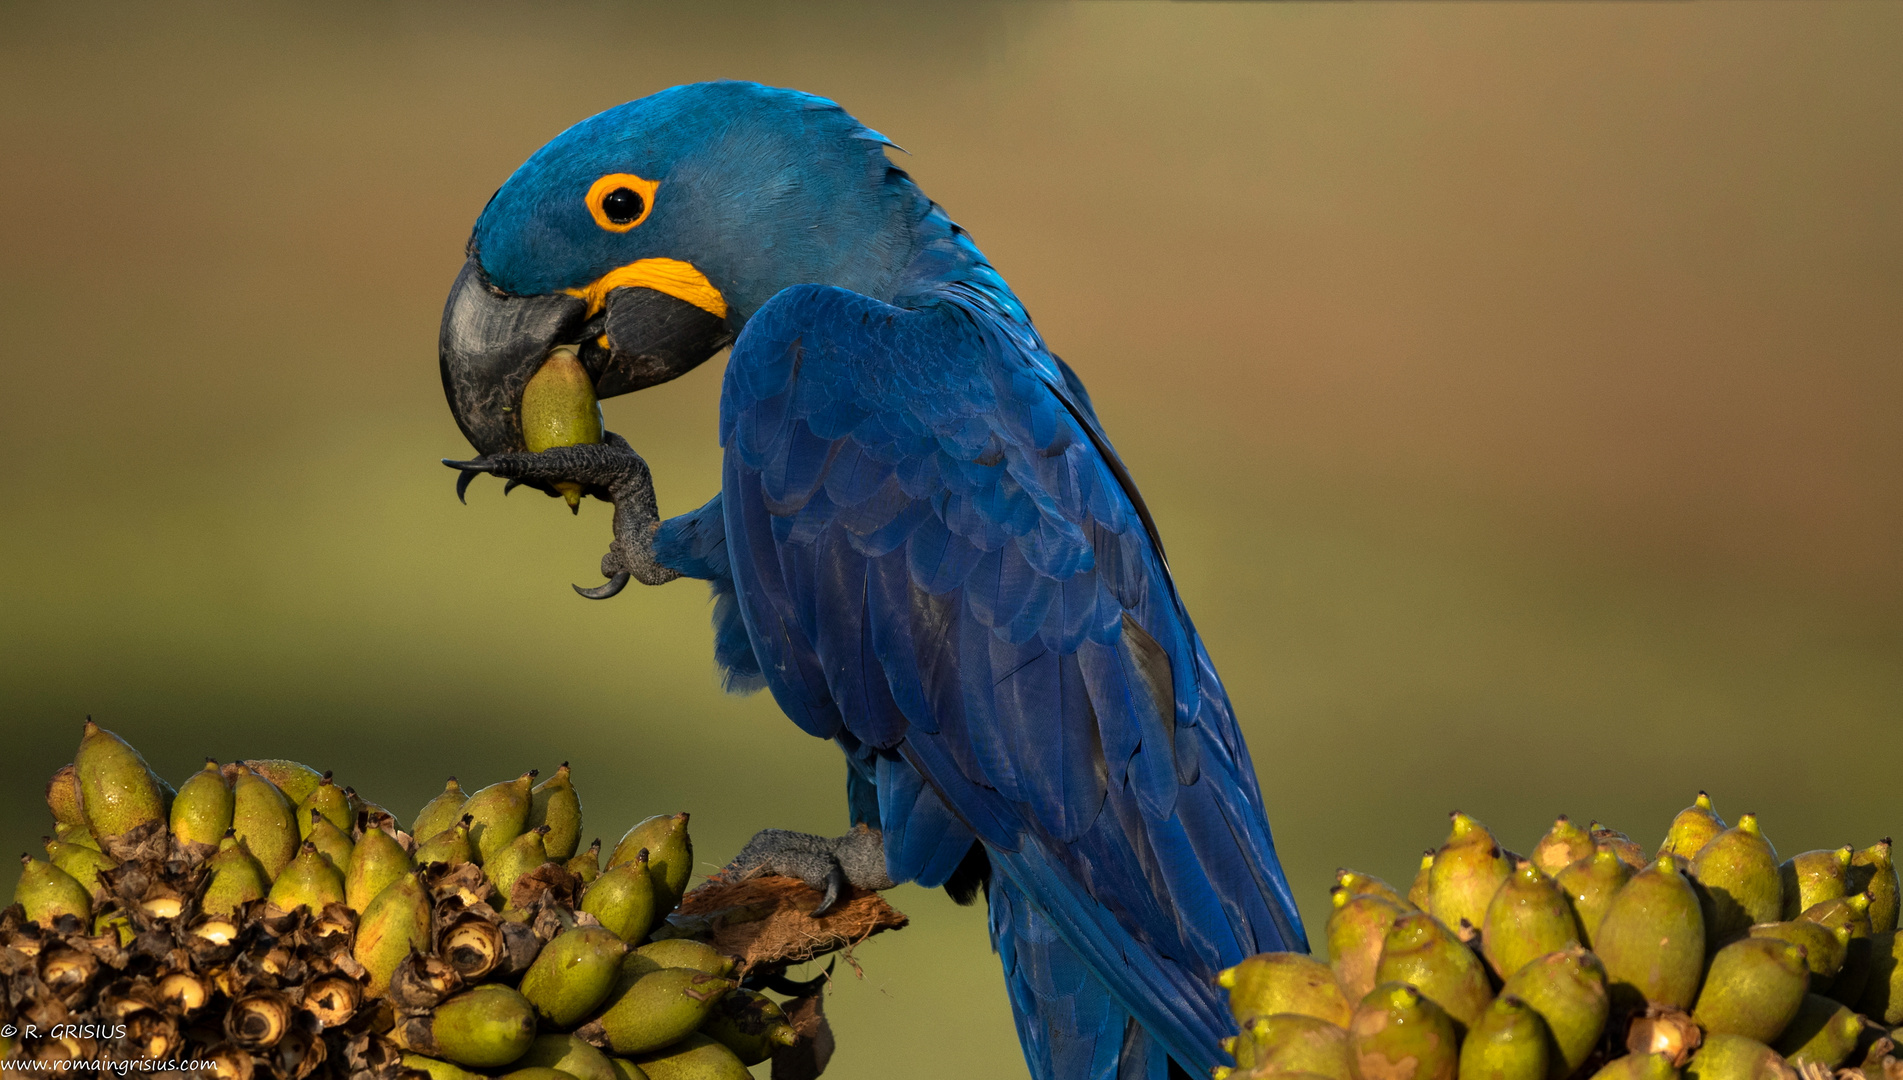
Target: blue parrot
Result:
[[924, 546]]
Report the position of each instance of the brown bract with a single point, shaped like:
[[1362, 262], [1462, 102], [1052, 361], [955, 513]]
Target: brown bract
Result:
[[766, 923]]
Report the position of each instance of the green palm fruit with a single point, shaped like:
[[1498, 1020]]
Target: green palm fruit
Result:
[[555, 804], [450, 846], [1423, 879], [1738, 881], [543, 1072], [328, 800], [1272, 983], [396, 923], [1356, 928], [294, 779], [262, 819], [84, 864], [1824, 1032], [77, 835], [331, 842], [1653, 939], [1527, 919], [498, 814], [625, 1069], [573, 974], [1692, 829], [1291, 1042], [1872, 871], [751, 1025], [587, 865], [1423, 953], [438, 1069], [484, 1028], [201, 812], [1360, 884], [1510, 1042], [1882, 997], [439, 813], [655, 1008], [310, 881], [1734, 1057], [670, 856], [1638, 1067], [696, 1057], [507, 864], [1589, 886], [375, 861], [1812, 877], [47, 892], [123, 799], [236, 878], [1563, 845], [62, 797], [1823, 946], [1622, 845], [1852, 914], [623, 899], [559, 409], [684, 953], [1753, 989], [1568, 990], [1397, 1034], [1467, 870], [569, 1054]]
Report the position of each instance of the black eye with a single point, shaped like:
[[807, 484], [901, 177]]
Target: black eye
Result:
[[622, 205]]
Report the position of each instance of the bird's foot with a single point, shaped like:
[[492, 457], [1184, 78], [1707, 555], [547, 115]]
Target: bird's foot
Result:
[[609, 470], [827, 863]]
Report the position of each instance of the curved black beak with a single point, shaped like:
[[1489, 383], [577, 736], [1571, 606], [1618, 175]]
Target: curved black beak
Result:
[[492, 343]]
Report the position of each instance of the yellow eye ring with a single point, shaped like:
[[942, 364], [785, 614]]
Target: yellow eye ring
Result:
[[611, 197]]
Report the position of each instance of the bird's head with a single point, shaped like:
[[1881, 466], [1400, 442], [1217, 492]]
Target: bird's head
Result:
[[646, 236]]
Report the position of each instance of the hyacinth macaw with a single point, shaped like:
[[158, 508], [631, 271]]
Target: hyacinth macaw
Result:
[[924, 546]]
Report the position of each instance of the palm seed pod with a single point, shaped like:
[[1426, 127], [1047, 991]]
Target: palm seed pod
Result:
[[1468, 868], [574, 974], [440, 812], [696, 1057], [1265, 985], [451, 846], [1653, 939], [1823, 946], [1357, 883], [83, 863], [47, 893], [1882, 997], [651, 1010], [1823, 1033], [484, 1028], [1568, 990], [1396, 1032], [1873, 872], [1811, 877], [1417, 891], [554, 803], [1527, 918], [1737, 878], [1621, 844], [123, 799], [622, 898], [587, 865], [332, 843], [695, 955], [62, 797], [328, 801], [376, 860], [1692, 829], [1510, 1042], [262, 820], [1421, 952], [294, 779], [498, 814], [1754, 988], [1734, 1057], [201, 812], [236, 878], [397, 922], [1356, 929], [506, 865], [670, 856], [1563, 845], [1277, 1044], [569, 1054], [309, 881]]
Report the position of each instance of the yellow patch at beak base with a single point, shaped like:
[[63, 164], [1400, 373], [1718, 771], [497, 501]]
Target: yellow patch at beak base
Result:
[[671, 276]]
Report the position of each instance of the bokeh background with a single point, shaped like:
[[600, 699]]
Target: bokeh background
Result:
[[1517, 387]]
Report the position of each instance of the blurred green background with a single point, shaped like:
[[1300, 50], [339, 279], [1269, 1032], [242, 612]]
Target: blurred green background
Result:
[[1517, 387]]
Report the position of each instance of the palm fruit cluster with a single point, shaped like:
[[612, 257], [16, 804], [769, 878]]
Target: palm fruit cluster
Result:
[[1712, 959], [273, 924]]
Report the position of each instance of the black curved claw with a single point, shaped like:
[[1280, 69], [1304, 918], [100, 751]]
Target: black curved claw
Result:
[[607, 588], [514, 482], [478, 465], [835, 885], [463, 477]]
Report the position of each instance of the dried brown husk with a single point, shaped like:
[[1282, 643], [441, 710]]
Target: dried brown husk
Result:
[[258, 1020], [332, 1000], [421, 981], [471, 942], [766, 923]]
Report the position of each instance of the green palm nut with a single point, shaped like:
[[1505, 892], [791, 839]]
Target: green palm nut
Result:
[[573, 974], [484, 1028], [1510, 1042], [654, 1009], [498, 814], [1356, 928], [201, 812], [1292, 1042], [622, 898], [47, 892], [508, 863], [123, 799], [439, 1069], [1754, 988], [83, 863], [1873, 871], [1638, 1067], [439, 813], [375, 862], [1568, 990], [625, 1069], [1528, 918], [569, 1054], [294, 779], [328, 800], [670, 856], [696, 1057], [62, 797], [77, 835], [1824, 1032], [1397, 1034], [1421, 952], [1882, 997], [751, 1025], [1563, 845], [310, 881], [236, 879], [1468, 868], [1589, 886], [1359, 884], [1423, 878], [1734, 1057], [1692, 829], [262, 819], [555, 804], [587, 865], [1852, 915], [450, 846], [396, 923], [1738, 880], [331, 842], [1812, 877], [1284, 982], [544, 1072], [1653, 939], [1823, 946], [682, 953]]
